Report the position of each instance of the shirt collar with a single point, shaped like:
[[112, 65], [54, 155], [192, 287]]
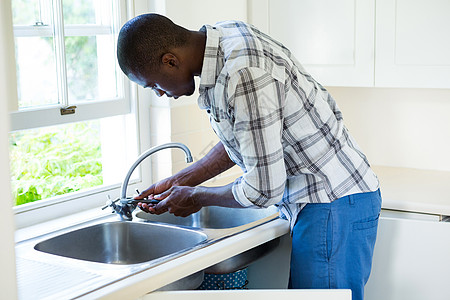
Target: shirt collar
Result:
[[209, 69]]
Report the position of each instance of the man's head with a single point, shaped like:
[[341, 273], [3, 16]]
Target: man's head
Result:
[[154, 52]]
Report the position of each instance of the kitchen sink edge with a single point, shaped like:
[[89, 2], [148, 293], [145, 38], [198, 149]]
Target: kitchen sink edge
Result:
[[103, 275]]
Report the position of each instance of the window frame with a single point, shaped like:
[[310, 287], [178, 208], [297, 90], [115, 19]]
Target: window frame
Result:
[[48, 115], [138, 104]]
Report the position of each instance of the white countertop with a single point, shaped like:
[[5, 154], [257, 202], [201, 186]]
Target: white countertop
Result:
[[402, 189], [159, 276], [149, 280], [413, 190]]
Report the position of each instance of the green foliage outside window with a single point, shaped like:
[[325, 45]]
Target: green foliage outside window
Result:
[[53, 161], [49, 162]]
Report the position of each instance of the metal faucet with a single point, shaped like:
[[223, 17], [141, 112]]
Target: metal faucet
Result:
[[124, 206]]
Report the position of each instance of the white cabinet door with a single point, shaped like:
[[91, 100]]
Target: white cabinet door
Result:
[[411, 260], [412, 43], [333, 40]]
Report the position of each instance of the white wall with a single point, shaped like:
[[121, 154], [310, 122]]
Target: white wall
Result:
[[193, 14], [181, 120], [7, 90], [395, 127], [399, 127]]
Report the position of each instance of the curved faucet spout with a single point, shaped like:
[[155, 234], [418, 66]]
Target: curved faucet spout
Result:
[[125, 206], [123, 189]]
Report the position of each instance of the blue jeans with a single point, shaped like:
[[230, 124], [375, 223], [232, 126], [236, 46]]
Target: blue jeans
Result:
[[332, 244]]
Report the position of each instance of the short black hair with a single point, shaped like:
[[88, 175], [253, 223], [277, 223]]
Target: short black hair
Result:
[[144, 39]]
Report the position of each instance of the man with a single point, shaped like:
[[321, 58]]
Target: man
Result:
[[280, 126]]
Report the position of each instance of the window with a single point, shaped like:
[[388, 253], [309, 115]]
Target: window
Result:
[[74, 129], [51, 161], [66, 66]]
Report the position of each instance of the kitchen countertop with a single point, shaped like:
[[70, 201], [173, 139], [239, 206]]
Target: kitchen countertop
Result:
[[414, 190], [403, 189], [157, 277], [141, 283]]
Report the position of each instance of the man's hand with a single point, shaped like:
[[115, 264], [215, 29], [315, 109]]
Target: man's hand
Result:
[[180, 193], [149, 193], [156, 188], [178, 200]]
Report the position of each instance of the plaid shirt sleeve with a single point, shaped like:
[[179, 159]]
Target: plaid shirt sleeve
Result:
[[257, 100]]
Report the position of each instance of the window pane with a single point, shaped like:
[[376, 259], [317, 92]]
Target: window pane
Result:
[[90, 64], [79, 12], [57, 160], [90, 56], [36, 71], [31, 12], [82, 69], [91, 69], [87, 12], [53, 161]]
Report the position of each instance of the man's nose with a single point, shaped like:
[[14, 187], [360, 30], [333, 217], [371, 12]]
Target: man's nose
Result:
[[159, 92]]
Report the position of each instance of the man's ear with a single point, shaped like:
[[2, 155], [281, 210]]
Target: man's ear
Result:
[[169, 60]]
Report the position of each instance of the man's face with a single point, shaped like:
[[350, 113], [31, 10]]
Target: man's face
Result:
[[172, 82]]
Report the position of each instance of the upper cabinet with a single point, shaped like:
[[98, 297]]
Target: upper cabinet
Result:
[[412, 43], [385, 43], [332, 39]]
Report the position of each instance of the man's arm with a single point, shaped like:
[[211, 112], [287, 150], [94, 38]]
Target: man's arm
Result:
[[211, 165], [180, 194], [185, 200]]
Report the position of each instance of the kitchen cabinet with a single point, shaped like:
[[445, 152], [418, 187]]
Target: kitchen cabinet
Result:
[[365, 43], [412, 43], [410, 259], [333, 40]]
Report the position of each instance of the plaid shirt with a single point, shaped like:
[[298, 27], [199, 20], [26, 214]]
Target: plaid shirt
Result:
[[277, 123]]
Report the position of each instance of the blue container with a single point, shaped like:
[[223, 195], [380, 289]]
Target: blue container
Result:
[[231, 281]]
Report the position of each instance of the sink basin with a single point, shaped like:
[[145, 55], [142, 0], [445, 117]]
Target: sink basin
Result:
[[215, 217], [212, 217], [121, 243], [153, 240]]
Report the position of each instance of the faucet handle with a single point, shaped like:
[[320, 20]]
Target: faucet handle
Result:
[[110, 203]]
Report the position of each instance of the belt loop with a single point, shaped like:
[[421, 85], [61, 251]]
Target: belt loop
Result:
[[351, 200]]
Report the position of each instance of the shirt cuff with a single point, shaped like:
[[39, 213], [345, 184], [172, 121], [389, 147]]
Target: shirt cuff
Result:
[[239, 195]]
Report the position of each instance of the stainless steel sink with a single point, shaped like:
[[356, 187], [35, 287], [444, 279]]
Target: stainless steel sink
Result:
[[214, 217], [122, 242], [101, 251], [84, 257]]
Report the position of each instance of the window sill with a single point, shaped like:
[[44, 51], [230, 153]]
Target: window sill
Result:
[[50, 209]]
